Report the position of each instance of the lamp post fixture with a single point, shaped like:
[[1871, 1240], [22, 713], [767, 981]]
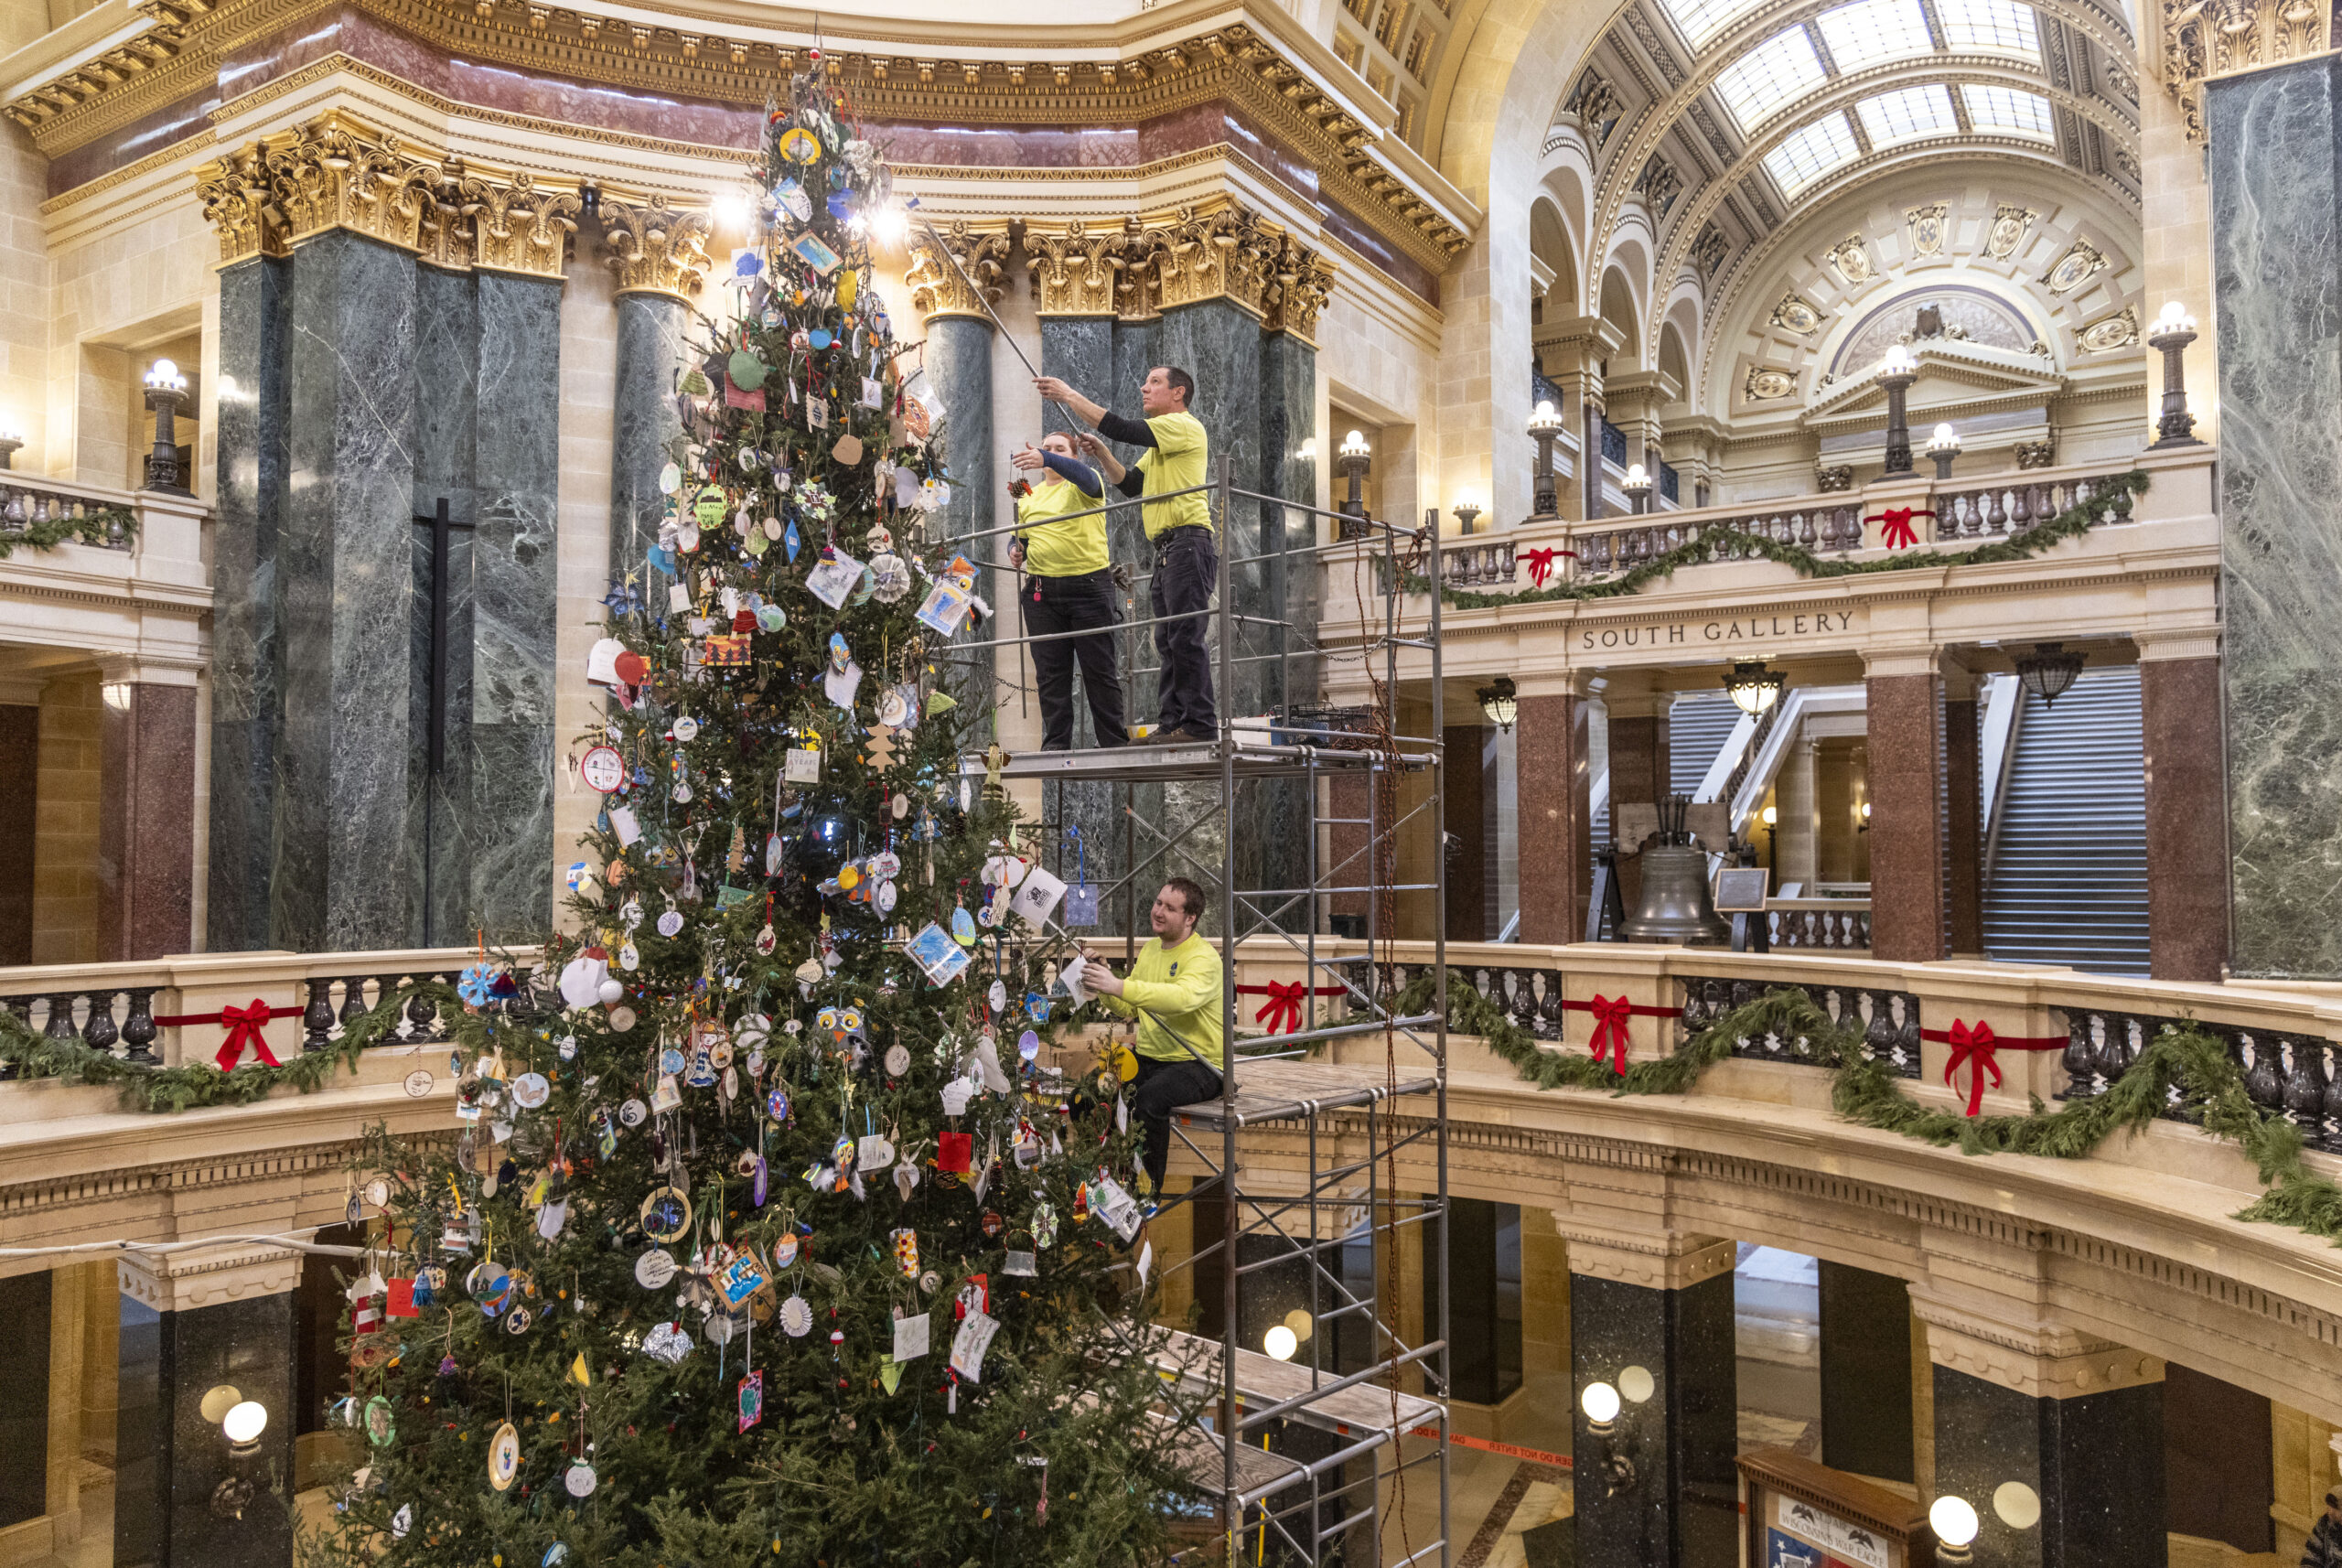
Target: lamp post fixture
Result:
[[1353, 460], [1544, 425], [166, 389], [2172, 332], [11, 438], [1468, 511], [1637, 489], [1896, 374], [1954, 1521], [1943, 449]]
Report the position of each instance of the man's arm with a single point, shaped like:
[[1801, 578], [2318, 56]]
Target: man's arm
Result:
[[1050, 387], [1196, 987], [1108, 464], [1081, 476]]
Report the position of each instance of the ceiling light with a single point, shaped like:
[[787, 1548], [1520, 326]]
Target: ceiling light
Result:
[[1753, 688], [2047, 671], [1500, 703]]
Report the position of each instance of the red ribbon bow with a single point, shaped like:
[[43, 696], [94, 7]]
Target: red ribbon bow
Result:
[[244, 1025], [1281, 1014], [1540, 563], [1973, 1047], [1610, 1015], [1899, 531]]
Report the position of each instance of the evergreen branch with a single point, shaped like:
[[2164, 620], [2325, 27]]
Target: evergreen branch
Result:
[[198, 1083], [1724, 543], [2185, 1056], [105, 526]]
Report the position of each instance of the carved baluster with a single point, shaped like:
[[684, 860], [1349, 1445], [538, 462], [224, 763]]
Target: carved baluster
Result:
[[2078, 1057], [353, 1000], [2330, 1138], [60, 1017], [99, 1032], [317, 1018], [2262, 1081], [138, 1030], [2305, 1085], [1550, 1012], [422, 1016], [1524, 1001]]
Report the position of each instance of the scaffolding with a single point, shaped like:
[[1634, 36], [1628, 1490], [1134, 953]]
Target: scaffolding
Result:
[[1306, 1463]]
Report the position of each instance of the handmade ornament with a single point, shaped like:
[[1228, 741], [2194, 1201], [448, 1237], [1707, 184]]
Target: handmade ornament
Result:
[[667, 1342], [504, 1457], [906, 1252], [796, 1317], [581, 1480]]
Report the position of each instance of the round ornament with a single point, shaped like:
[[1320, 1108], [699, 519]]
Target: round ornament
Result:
[[784, 1252], [666, 1214], [610, 992], [777, 1105], [633, 1113], [518, 1320], [893, 710], [671, 921], [381, 1429], [419, 1083], [1028, 1045], [531, 1089], [654, 1270], [687, 728], [630, 957], [898, 1060], [886, 898], [800, 146], [602, 769], [504, 1457], [581, 1480], [671, 478], [998, 997], [796, 1317], [670, 1062], [621, 1020]]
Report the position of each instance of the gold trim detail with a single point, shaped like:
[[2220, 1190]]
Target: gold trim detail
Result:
[[2207, 38], [1076, 270], [938, 288], [338, 171], [1217, 248], [654, 248]]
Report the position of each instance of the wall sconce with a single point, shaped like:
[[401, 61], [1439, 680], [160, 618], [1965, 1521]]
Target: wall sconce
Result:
[[2047, 671], [240, 1419], [1279, 1342], [2172, 332], [166, 389], [1943, 449], [1600, 1403], [1544, 425], [1896, 371], [1954, 1521], [1864, 826], [1638, 487], [1753, 688], [11, 440], [1500, 703], [1468, 511]]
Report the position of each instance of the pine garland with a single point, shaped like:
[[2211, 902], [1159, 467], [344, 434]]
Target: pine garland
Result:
[[198, 1083], [98, 528], [1720, 542], [1864, 1091]]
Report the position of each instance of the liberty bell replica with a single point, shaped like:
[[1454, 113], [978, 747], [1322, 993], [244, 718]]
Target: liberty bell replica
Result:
[[1676, 905]]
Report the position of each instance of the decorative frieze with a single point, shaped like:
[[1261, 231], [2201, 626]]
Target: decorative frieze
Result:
[[338, 172], [655, 248]]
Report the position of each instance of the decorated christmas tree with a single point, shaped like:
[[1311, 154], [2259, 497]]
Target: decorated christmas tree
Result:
[[772, 1236]]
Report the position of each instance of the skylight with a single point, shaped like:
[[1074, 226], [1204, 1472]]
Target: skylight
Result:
[[1907, 114], [1810, 151], [2006, 112], [1783, 68], [1872, 32], [1700, 20], [1990, 27]]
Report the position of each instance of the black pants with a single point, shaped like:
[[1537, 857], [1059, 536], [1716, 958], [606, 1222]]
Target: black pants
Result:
[[1161, 1087], [1075, 604], [1186, 571]]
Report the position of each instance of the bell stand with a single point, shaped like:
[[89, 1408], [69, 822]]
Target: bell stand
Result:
[[1337, 1116]]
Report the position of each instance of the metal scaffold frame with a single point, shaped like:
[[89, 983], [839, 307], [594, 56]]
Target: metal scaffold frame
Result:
[[1273, 1507]]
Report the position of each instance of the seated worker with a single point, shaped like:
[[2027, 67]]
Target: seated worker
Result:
[[1173, 991], [1187, 564], [1067, 588]]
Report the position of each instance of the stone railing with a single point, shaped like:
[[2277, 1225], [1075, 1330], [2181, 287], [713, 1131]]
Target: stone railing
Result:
[[1837, 925], [27, 500], [2013, 503], [112, 1007]]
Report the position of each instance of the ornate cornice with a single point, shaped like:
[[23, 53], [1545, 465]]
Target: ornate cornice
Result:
[[2229, 38], [1218, 249], [654, 248], [338, 172], [938, 287]]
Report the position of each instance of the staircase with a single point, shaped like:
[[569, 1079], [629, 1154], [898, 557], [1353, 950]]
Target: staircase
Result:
[[1697, 728], [2066, 881]]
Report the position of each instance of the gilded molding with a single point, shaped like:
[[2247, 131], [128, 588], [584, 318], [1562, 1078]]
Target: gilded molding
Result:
[[939, 288], [654, 248], [2207, 38], [1076, 269], [338, 172], [1217, 248]]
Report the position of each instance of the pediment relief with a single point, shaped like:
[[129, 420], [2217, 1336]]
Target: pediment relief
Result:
[[1949, 375]]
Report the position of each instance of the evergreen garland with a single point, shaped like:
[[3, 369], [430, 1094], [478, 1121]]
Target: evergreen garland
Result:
[[1717, 542], [91, 528], [1864, 1091]]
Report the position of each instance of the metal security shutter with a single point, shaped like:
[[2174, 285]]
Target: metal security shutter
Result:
[[2067, 884]]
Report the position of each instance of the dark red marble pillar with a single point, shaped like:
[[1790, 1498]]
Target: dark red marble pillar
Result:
[[1963, 846], [2188, 859], [1469, 803], [146, 822], [1556, 818], [1907, 846], [1350, 800], [1639, 775]]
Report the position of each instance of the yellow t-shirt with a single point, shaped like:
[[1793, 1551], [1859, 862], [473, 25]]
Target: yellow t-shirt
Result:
[[1181, 456], [1061, 549], [1175, 994]]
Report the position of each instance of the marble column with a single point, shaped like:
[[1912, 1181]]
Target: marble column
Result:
[[959, 367], [1963, 817], [146, 813], [1469, 787], [184, 1333], [514, 584], [347, 766], [24, 1403], [1670, 1315], [447, 372], [1350, 803], [2187, 865], [251, 498], [645, 421], [1556, 816], [1289, 594], [1906, 847], [2273, 160], [1865, 1355], [1638, 771]]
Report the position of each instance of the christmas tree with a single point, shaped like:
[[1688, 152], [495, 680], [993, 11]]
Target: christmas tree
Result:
[[771, 1239]]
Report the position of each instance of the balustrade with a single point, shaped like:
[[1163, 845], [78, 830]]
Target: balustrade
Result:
[[26, 502], [1888, 1018], [1837, 925], [2005, 506], [1471, 563], [2299, 1076]]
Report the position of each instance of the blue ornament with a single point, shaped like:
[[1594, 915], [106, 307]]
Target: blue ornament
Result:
[[791, 539], [474, 984], [841, 205], [661, 559], [748, 264], [621, 599], [820, 338]]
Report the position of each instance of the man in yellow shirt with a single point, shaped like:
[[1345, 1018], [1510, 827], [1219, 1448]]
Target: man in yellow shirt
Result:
[[1186, 566], [1173, 991], [1067, 588]]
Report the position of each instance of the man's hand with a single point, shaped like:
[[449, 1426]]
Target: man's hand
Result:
[[1016, 553], [1056, 391], [1026, 458], [1093, 444], [1096, 978], [1108, 464]]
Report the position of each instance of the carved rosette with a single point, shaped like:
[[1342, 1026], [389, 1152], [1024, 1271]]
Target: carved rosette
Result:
[[338, 172], [654, 248], [939, 288]]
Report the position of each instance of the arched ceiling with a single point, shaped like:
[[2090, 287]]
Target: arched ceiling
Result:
[[1710, 120]]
